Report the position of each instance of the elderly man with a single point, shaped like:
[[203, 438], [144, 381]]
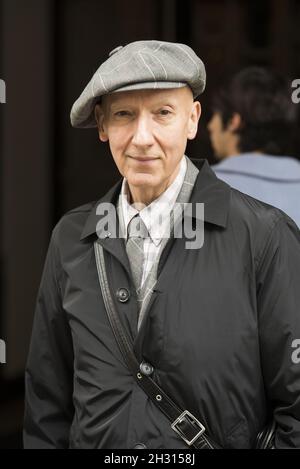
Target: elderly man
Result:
[[140, 339]]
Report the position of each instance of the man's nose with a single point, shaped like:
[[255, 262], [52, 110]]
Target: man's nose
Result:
[[143, 132]]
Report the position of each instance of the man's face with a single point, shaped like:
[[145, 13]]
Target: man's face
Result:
[[224, 139], [147, 132], [218, 135]]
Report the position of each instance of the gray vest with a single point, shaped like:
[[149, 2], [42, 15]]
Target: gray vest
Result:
[[144, 295]]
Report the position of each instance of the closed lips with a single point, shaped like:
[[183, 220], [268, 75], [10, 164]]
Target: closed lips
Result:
[[143, 159]]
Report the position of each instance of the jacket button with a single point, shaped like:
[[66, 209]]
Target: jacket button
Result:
[[146, 368], [123, 295], [140, 446]]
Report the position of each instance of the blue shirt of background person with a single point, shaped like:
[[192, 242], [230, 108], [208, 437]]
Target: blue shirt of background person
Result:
[[251, 131]]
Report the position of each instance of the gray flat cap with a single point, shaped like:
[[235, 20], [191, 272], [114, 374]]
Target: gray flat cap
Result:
[[137, 66]]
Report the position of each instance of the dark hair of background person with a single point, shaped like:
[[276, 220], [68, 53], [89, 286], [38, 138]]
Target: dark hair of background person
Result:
[[263, 100]]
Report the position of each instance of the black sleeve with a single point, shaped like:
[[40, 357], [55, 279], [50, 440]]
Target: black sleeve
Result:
[[279, 326], [49, 371]]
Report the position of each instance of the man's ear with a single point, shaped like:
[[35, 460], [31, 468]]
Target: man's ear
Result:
[[99, 116], [193, 120], [234, 123]]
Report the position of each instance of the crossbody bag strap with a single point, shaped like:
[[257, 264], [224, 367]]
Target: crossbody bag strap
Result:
[[188, 427]]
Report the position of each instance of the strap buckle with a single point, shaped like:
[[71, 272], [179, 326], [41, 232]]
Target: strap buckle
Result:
[[186, 415]]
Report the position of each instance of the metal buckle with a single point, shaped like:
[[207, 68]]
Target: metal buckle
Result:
[[193, 420]]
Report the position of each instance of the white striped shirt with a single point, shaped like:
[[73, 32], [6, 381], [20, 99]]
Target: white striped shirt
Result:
[[156, 216]]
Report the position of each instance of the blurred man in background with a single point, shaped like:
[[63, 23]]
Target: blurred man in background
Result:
[[254, 119]]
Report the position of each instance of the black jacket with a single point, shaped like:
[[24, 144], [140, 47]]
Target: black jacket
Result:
[[220, 331]]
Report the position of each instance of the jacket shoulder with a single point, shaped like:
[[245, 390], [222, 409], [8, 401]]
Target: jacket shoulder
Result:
[[257, 221], [253, 211], [71, 224]]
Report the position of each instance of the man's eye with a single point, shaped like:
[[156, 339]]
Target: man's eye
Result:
[[122, 113], [164, 112]]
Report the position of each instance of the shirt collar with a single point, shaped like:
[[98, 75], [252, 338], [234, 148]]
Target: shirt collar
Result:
[[208, 189]]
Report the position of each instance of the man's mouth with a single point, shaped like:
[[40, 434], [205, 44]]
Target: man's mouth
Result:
[[144, 159]]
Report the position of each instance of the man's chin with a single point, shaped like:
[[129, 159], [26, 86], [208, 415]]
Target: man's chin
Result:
[[142, 180]]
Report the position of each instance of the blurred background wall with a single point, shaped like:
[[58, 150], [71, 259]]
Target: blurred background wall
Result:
[[48, 51]]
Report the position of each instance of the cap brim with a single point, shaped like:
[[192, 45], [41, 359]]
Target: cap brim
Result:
[[150, 85], [90, 121]]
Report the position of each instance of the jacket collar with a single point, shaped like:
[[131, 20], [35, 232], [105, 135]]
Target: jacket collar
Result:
[[208, 189], [214, 193]]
